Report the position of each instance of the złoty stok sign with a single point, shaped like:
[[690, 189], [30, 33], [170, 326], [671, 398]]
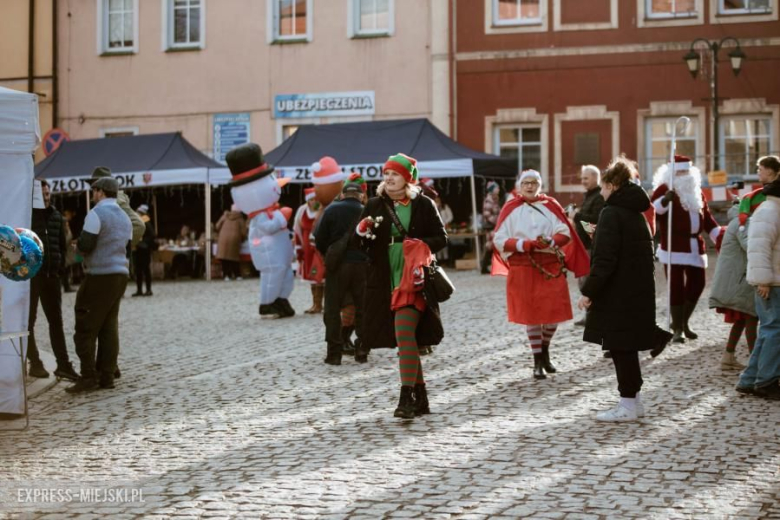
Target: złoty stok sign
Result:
[[324, 104]]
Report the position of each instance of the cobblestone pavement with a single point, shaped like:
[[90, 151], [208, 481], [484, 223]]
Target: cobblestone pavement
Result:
[[220, 415]]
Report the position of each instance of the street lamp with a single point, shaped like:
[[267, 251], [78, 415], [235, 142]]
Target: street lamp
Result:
[[692, 60]]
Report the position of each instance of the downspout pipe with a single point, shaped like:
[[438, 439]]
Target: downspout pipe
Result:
[[54, 60], [31, 48]]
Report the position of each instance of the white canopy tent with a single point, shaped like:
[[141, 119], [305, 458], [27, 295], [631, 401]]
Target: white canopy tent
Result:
[[20, 135]]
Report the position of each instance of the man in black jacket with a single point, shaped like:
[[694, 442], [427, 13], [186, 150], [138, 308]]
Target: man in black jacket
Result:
[[349, 277], [142, 256], [46, 286], [588, 213]]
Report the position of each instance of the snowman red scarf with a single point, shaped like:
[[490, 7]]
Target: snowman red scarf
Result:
[[576, 257]]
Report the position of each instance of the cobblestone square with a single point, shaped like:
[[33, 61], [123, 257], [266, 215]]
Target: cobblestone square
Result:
[[221, 415]]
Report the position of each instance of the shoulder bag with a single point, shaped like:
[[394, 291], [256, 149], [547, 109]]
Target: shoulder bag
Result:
[[437, 283]]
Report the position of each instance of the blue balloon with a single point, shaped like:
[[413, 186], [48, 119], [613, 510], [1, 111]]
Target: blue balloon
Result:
[[10, 249], [32, 259]]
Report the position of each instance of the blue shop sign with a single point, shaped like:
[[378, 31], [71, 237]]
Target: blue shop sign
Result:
[[359, 103]]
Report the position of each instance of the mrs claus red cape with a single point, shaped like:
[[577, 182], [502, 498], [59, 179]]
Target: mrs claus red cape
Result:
[[532, 299]]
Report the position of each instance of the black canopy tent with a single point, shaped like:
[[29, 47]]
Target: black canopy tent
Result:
[[365, 146], [141, 161]]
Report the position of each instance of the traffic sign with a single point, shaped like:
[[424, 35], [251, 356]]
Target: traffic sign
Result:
[[53, 140], [230, 130]]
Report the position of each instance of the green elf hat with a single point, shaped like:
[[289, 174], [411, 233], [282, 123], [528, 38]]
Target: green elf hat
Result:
[[355, 183], [748, 205], [403, 165]]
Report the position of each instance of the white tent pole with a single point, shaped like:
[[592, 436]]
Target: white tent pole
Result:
[[686, 121], [208, 231], [474, 224]]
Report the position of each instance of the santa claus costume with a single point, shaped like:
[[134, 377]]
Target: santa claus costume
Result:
[[535, 244], [685, 261], [303, 226], [256, 192]]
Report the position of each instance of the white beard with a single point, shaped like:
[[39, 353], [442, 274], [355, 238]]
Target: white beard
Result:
[[687, 187]]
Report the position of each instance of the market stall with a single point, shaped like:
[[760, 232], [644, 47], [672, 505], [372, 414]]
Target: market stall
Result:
[[19, 137]]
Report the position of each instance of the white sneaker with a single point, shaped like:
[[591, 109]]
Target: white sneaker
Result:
[[640, 410], [227, 278], [239, 278], [617, 414]]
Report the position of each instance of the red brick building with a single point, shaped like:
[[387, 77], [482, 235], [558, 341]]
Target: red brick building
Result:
[[561, 83]]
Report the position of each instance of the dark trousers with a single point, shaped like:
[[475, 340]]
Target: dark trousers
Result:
[[348, 281], [629, 375], [47, 290], [687, 283], [97, 320], [142, 258], [230, 268]]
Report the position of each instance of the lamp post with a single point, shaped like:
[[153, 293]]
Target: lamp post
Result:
[[692, 59]]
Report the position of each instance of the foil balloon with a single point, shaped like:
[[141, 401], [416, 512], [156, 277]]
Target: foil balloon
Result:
[[30, 264], [10, 249], [29, 233]]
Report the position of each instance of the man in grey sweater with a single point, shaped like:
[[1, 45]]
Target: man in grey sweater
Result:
[[103, 243]]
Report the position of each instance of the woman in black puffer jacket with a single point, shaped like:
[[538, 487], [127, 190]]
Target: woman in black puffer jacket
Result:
[[619, 294]]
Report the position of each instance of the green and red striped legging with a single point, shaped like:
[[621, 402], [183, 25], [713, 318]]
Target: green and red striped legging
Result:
[[406, 320]]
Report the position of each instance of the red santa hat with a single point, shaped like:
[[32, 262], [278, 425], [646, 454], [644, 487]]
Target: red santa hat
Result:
[[327, 171], [682, 163], [308, 194]]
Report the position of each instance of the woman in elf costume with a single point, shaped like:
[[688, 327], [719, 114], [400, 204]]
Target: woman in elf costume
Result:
[[535, 244], [396, 311], [305, 220]]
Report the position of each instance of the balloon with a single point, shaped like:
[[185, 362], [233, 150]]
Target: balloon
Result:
[[29, 233], [10, 249], [32, 259]]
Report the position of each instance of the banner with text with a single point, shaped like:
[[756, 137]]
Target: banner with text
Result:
[[324, 104]]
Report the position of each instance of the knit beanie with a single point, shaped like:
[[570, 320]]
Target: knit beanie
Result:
[[355, 182], [748, 205], [403, 165]]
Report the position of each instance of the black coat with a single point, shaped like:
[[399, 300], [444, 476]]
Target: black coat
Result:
[[340, 218], [49, 225], [590, 211], [425, 224], [621, 283]]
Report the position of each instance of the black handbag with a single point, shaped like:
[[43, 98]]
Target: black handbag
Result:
[[437, 284]]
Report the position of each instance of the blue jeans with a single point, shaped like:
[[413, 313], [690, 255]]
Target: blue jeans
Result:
[[764, 366]]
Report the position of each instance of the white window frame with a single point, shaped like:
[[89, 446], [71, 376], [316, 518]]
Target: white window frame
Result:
[[645, 18], [695, 125], [353, 21], [519, 144], [168, 20], [106, 132], [719, 15], [103, 30], [273, 23], [724, 120], [517, 21], [670, 16], [722, 9]]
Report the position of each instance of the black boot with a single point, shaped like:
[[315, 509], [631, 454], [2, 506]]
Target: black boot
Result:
[[539, 366], [661, 338], [82, 385], [405, 408], [333, 357], [65, 371], [347, 347], [548, 367], [269, 310], [421, 406], [688, 309], [284, 306], [677, 323], [361, 351]]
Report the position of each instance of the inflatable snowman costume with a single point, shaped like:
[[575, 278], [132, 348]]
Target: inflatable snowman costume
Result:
[[256, 192]]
